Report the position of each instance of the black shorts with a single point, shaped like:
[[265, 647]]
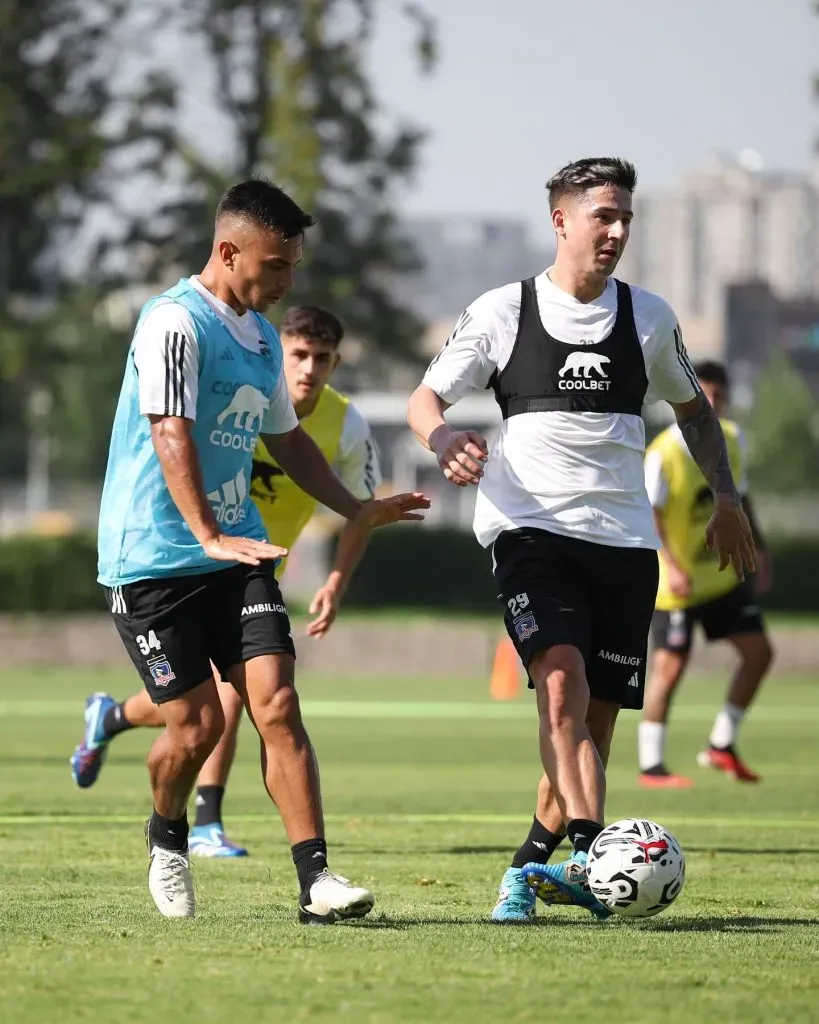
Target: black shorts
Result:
[[559, 590], [174, 628], [732, 614]]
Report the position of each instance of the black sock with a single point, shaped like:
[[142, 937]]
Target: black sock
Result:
[[115, 721], [583, 833], [169, 834], [310, 858], [538, 846], [209, 805]]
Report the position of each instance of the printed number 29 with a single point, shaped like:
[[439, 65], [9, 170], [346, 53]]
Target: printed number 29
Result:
[[148, 643], [517, 603]]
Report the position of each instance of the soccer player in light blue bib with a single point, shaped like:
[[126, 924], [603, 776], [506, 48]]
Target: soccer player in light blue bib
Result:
[[184, 559]]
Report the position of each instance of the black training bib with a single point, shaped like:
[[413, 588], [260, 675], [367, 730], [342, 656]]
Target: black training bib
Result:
[[547, 375]]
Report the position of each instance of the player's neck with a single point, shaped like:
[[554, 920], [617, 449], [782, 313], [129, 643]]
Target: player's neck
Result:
[[305, 407], [580, 284], [210, 280]]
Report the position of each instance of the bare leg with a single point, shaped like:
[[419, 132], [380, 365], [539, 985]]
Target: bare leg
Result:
[[216, 769], [667, 669], [141, 711], [289, 765], [600, 721], [569, 756], [756, 655], [193, 725]]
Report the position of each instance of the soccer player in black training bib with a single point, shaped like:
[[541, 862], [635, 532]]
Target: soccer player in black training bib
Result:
[[572, 356]]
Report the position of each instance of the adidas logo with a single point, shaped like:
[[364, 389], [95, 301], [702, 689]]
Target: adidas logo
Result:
[[634, 681], [227, 355], [228, 500]]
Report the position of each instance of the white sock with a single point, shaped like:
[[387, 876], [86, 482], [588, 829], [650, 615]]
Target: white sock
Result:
[[726, 726], [650, 744]]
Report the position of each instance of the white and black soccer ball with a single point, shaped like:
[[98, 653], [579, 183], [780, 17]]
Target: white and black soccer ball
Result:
[[636, 868]]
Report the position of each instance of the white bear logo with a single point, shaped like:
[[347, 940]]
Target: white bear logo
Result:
[[248, 404], [585, 362]]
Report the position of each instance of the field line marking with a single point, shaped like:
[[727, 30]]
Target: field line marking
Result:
[[385, 709]]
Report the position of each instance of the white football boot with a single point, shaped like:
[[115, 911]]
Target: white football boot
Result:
[[169, 881], [333, 898]]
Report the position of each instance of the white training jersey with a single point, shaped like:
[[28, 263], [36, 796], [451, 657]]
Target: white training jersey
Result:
[[356, 461], [579, 474], [174, 369]]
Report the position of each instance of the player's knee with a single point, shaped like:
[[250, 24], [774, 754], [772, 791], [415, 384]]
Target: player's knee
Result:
[[758, 654], [198, 737], [232, 713], [280, 711], [667, 669]]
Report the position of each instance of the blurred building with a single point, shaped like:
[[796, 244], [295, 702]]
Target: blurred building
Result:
[[759, 321], [726, 224], [462, 258]]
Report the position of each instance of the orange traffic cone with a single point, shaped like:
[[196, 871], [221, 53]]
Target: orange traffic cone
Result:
[[505, 680]]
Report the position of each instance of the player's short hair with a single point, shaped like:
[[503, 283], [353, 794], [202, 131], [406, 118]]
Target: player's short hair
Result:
[[312, 323], [266, 205], [581, 175], [712, 372]]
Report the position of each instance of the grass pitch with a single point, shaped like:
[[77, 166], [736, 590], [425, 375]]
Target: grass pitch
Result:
[[429, 788]]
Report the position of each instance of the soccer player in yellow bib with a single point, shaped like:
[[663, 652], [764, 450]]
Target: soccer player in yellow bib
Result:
[[310, 341], [692, 591]]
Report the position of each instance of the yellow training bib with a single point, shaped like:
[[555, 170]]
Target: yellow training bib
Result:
[[688, 507], [284, 507]]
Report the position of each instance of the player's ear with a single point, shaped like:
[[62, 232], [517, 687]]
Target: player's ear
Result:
[[335, 361], [559, 221], [227, 252]]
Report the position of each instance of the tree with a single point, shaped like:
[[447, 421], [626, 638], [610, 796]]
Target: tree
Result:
[[783, 431], [62, 127], [291, 84], [53, 95]]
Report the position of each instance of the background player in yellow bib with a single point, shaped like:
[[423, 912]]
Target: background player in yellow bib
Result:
[[692, 590], [310, 341]]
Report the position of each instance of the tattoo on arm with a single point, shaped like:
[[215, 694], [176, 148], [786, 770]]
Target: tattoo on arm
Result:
[[706, 442]]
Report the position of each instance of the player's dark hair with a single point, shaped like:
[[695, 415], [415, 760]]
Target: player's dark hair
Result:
[[711, 372], [312, 323], [265, 204], [578, 177]]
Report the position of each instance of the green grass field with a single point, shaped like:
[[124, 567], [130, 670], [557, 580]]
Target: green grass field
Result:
[[428, 787]]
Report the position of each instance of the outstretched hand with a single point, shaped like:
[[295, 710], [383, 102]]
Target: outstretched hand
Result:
[[397, 508], [223, 548]]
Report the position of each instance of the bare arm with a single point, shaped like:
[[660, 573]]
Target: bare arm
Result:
[[352, 543], [351, 546], [425, 414], [301, 459], [728, 529], [460, 452], [179, 459], [703, 436]]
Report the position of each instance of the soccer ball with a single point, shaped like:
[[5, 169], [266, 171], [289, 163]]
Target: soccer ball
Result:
[[636, 868]]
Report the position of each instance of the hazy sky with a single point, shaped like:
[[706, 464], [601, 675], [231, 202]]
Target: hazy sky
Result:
[[523, 86]]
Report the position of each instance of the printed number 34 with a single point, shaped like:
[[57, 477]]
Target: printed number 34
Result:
[[517, 603], [148, 643]]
